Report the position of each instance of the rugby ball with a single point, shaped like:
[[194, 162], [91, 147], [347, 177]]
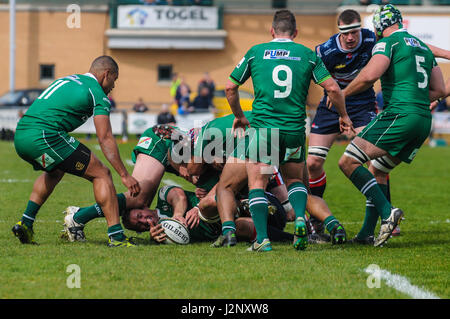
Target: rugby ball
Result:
[[176, 232]]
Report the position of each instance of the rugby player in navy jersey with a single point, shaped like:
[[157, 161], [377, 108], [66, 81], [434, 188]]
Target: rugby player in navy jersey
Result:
[[344, 55]]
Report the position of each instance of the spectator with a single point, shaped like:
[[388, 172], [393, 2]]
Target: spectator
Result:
[[208, 82], [202, 102], [174, 86], [183, 98], [165, 117], [140, 106]]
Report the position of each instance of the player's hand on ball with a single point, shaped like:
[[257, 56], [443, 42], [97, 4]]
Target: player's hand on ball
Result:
[[180, 219], [157, 233], [192, 217]]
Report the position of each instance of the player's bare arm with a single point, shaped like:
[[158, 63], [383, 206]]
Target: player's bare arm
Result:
[[439, 52], [437, 85], [337, 99], [178, 200], [374, 69], [232, 94], [111, 152]]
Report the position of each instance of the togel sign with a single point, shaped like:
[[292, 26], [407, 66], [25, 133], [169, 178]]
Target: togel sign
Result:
[[167, 17]]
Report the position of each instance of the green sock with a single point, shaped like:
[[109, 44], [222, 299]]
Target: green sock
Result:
[[298, 195], [371, 217], [228, 226], [330, 222], [366, 184], [116, 232], [259, 210], [86, 214], [30, 213]]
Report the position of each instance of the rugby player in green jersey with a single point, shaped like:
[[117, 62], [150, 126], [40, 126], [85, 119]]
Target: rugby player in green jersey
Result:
[[410, 80], [150, 156], [281, 72], [174, 202], [42, 139], [213, 143]]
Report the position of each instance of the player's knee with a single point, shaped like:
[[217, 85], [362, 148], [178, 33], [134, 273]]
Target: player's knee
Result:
[[316, 157], [354, 154], [382, 166], [106, 172], [314, 164], [344, 162]]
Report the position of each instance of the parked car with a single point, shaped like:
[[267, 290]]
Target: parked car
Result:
[[20, 98]]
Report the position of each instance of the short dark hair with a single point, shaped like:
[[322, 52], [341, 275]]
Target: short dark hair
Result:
[[348, 16], [126, 220], [105, 62], [284, 22]]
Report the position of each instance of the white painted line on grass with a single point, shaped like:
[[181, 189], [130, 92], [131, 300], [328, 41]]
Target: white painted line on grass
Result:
[[15, 180], [401, 284]]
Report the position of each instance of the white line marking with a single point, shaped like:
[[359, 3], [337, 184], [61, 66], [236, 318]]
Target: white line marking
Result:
[[401, 284], [14, 180]]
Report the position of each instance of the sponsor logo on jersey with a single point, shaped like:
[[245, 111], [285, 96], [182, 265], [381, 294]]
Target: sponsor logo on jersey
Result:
[[279, 54], [413, 43], [240, 63], [79, 166], [379, 47], [329, 51], [144, 142], [340, 66], [44, 160]]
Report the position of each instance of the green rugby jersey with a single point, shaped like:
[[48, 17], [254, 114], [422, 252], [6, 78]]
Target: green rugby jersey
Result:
[[281, 71], [219, 128], [405, 84], [66, 104]]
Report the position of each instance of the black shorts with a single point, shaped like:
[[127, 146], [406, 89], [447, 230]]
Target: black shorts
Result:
[[77, 162], [326, 121]]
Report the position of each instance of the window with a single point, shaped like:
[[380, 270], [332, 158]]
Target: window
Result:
[[46, 72], [279, 4], [164, 73]]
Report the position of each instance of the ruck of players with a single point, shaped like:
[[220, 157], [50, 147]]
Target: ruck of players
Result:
[[254, 171]]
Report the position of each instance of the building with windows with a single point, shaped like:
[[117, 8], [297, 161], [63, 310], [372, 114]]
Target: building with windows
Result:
[[151, 39]]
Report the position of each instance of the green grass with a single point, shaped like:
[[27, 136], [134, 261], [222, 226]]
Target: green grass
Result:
[[197, 271]]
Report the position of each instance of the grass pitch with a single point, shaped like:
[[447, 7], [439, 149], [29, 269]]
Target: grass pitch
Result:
[[196, 271]]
